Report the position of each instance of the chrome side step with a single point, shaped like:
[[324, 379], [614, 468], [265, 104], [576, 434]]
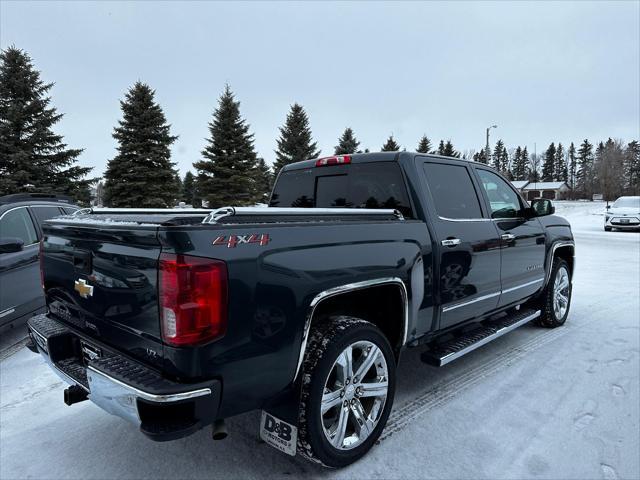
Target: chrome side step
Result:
[[447, 352]]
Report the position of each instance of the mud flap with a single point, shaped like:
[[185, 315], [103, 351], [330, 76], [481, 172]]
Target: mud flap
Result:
[[279, 420], [278, 433]]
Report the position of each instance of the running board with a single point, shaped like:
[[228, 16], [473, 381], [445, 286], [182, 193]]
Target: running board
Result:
[[448, 351]]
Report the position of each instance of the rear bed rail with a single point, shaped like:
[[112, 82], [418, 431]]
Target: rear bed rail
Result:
[[277, 214]]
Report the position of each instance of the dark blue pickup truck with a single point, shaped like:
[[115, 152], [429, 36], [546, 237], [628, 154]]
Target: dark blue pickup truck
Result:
[[176, 321]]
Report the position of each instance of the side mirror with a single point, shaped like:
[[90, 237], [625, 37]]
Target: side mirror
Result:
[[542, 207], [608, 207], [10, 244]]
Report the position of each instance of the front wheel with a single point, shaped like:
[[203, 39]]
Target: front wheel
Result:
[[556, 297], [347, 393], [607, 229]]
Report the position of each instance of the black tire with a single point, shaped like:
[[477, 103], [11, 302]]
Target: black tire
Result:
[[549, 318], [607, 229], [326, 342]]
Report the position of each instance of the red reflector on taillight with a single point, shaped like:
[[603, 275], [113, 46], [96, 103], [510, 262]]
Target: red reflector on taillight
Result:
[[41, 260], [335, 160], [193, 299]]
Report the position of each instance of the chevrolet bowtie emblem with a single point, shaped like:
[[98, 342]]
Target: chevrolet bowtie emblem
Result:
[[83, 289]]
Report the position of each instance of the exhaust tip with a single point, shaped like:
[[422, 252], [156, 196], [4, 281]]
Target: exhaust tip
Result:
[[219, 430], [74, 394]]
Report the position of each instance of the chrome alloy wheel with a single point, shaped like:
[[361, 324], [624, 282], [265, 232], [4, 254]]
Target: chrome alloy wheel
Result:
[[561, 293], [354, 396]]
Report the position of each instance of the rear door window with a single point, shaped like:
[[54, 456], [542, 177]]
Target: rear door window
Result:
[[376, 185], [453, 193], [17, 223]]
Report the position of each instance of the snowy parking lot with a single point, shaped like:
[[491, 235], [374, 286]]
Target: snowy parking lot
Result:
[[536, 403]]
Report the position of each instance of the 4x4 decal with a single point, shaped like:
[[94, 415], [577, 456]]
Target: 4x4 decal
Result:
[[262, 239]]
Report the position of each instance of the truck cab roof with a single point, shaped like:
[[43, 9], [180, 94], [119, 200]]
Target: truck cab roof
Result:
[[370, 157]]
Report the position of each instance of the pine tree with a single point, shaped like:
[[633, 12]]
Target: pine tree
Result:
[[447, 149], [585, 168], [141, 174], [561, 173], [549, 162], [519, 170], [264, 181], [596, 169], [390, 145], [500, 157], [295, 143], [424, 145], [632, 167], [189, 189], [525, 163], [228, 173], [32, 156], [178, 182], [347, 143], [571, 173], [480, 157]]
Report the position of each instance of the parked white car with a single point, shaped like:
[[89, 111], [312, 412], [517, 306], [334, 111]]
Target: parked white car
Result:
[[623, 214]]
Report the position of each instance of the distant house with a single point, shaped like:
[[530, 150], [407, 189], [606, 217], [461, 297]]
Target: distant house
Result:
[[550, 190], [520, 184]]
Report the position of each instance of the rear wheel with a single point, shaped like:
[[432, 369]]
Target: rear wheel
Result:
[[556, 297], [348, 389], [607, 229]]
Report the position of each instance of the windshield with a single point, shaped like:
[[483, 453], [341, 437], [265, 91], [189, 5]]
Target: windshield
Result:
[[627, 202]]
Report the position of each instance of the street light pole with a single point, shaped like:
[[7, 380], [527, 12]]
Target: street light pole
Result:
[[488, 150]]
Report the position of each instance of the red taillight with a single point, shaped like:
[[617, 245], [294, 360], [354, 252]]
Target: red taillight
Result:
[[335, 160], [193, 299], [41, 260]]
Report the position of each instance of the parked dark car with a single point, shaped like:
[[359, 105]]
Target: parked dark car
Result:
[[21, 217], [302, 309]]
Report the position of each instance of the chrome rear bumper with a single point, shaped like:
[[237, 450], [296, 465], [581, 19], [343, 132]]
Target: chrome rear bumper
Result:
[[163, 409]]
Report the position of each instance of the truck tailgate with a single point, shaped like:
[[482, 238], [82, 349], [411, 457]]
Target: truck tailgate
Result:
[[102, 279]]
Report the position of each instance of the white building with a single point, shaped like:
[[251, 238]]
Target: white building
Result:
[[550, 190]]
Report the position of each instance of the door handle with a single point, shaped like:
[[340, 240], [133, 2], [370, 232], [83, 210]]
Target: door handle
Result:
[[451, 242], [508, 237]]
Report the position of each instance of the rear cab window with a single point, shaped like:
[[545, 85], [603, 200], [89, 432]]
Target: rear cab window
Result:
[[376, 185]]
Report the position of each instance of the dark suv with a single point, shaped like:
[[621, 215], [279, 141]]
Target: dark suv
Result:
[[21, 217]]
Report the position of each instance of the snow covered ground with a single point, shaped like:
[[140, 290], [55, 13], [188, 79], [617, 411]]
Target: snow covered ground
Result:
[[537, 403]]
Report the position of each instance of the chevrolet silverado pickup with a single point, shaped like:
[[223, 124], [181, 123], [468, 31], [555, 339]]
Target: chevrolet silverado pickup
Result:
[[176, 321]]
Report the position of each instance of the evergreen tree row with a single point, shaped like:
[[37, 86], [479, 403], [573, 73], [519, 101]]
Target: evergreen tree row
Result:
[[612, 168], [141, 174]]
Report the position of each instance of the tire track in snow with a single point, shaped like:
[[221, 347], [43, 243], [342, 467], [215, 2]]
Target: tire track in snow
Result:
[[444, 391]]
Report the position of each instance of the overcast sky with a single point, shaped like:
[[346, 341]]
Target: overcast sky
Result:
[[548, 71]]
